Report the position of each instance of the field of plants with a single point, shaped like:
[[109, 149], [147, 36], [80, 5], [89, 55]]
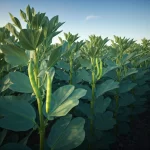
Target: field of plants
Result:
[[79, 95]]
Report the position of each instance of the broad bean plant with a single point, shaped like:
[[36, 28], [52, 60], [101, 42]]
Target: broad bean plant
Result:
[[69, 95]]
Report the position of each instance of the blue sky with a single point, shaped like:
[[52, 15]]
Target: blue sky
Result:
[[129, 18]]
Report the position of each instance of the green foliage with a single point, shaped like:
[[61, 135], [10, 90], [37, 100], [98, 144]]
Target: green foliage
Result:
[[14, 55], [20, 82], [16, 146], [16, 114], [106, 86], [63, 100], [94, 47], [31, 39], [72, 130], [101, 104], [78, 91], [105, 121], [126, 99]]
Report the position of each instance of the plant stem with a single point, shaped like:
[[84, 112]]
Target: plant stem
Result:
[[34, 83], [115, 113], [92, 104], [118, 71], [42, 125], [39, 101]]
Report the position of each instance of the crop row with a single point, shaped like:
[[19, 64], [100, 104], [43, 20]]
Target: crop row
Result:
[[76, 94]]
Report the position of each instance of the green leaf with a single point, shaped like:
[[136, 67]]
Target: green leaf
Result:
[[14, 55], [145, 58], [63, 100], [50, 27], [38, 20], [126, 86], [3, 134], [33, 11], [88, 95], [61, 75], [63, 93], [27, 97], [4, 33], [12, 29], [85, 63], [42, 69], [72, 130], [5, 83], [17, 114], [15, 146], [126, 99], [63, 65], [65, 107], [105, 121], [141, 90], [112, 74], [140, 101], [58, 97], [20, 82], [29, 13], [124, 111], [126, 57], [31, 39], [23, 15], [106, 86], [130, 72], [83, 108], [16, 21], [101, 104], [54, 56], [108, 69], [83, 75], [43, 65], [143, 80], [78, 93]]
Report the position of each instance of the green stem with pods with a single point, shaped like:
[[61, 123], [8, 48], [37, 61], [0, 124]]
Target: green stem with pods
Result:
[[92, 103], [118, 72], [33, 72]]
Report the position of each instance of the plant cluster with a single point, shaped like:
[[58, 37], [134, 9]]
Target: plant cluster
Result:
[[76, 94]]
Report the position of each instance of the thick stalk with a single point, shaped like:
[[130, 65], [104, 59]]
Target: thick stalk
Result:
[[118, 71], [132, 105], [115, 113], [117, 105], [92, 109], [36, 90], [92, 104]]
